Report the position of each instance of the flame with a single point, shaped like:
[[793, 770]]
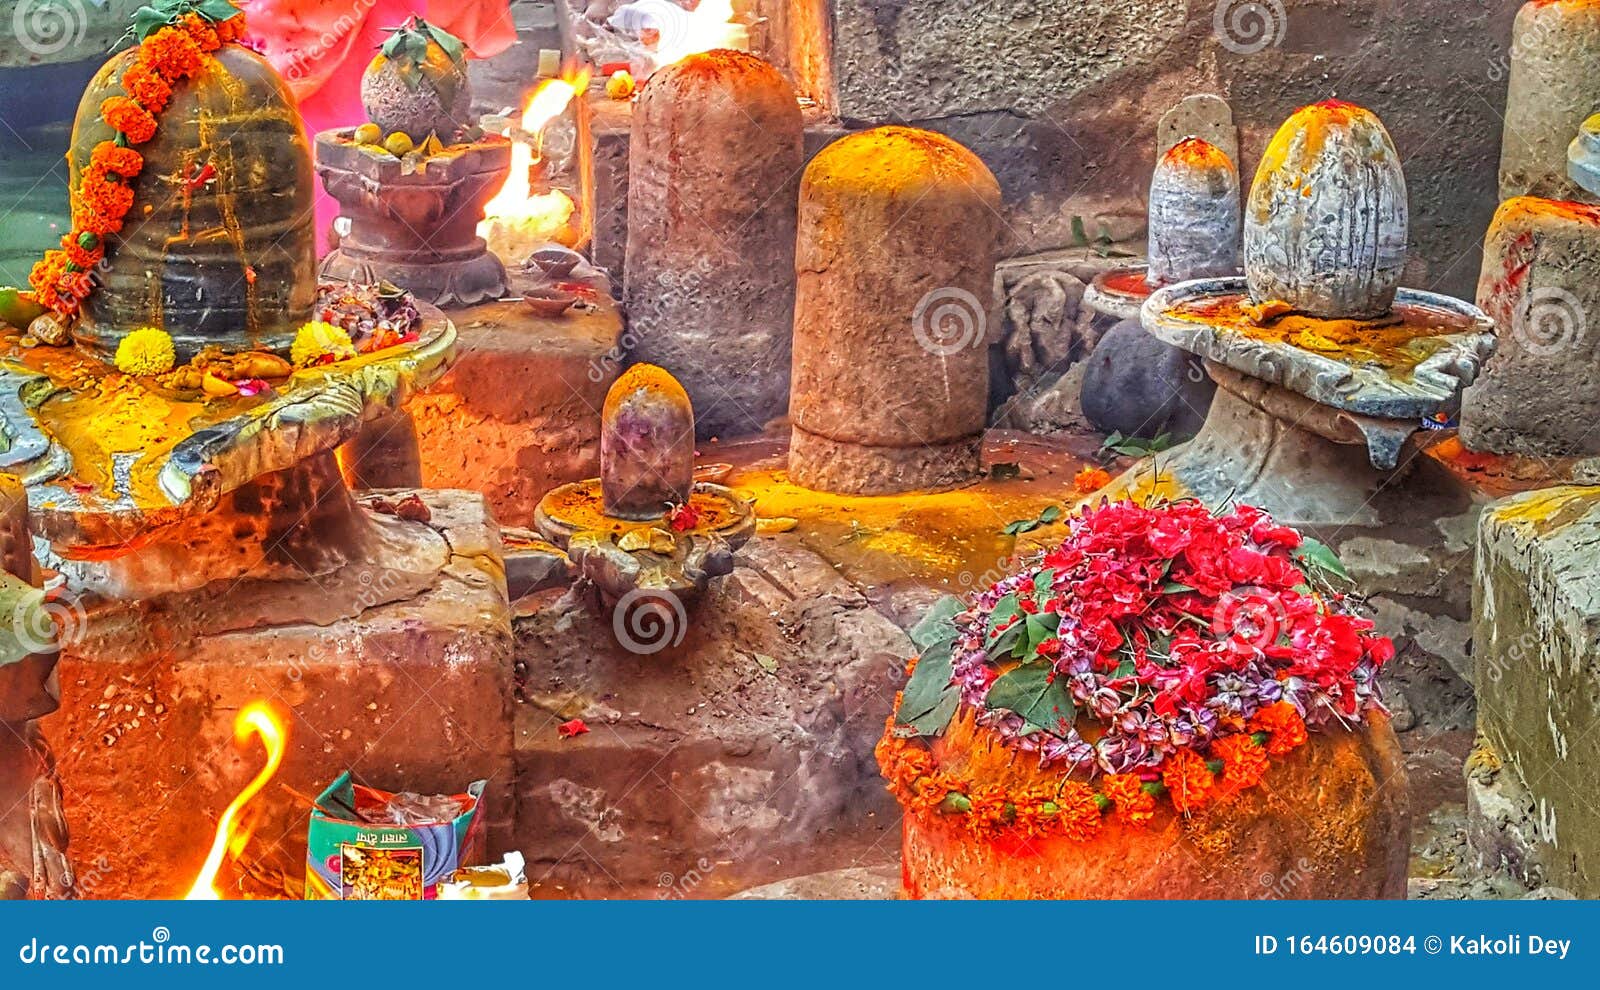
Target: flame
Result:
[[708, 26], [516, 209], [258, 719]]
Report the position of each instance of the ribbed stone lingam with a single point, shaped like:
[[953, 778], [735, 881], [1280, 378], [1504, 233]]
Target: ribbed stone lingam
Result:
[[1326, 225], [1554, 84], [646, 444], [1194, 214]]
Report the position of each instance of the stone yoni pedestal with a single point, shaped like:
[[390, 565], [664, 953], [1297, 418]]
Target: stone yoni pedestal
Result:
[[896, 260]]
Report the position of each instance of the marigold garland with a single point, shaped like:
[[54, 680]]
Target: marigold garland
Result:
[[1285, 728], [104, 196]]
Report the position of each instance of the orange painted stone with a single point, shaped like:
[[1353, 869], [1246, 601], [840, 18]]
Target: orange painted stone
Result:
[[1329, 821]]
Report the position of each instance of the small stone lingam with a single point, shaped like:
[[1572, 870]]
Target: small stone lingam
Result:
[[1194, 229], [1324, 366], [645, 525], [414, 180]]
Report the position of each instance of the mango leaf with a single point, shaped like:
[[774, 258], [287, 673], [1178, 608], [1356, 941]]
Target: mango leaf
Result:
[[1315, 553], [938, 624], [1175, 588], [1034, 692]]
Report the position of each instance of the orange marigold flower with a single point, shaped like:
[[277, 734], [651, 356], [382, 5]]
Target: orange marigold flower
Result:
[[77, 284], [79, 255], [231, 29], [1090, 480], [172, 52], [1244, 762], [1126, 791], [45, 278], [1188, 779], [1079, 816], [134, 121], [1286, 730], [124, 162], [146, 86], [99, 193], [86, 220], [201, 30]]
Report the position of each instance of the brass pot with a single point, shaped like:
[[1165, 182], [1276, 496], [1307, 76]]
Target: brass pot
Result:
[[224, 254]]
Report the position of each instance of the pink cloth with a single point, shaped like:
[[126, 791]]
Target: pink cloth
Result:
[[322, 46]]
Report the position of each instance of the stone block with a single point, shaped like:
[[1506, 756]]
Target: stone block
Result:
[[1536, 639], [747, 744], [1554, 71], [398, 668], [519, 413]]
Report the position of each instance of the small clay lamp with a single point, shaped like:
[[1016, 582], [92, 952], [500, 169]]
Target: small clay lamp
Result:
[[645, 524]]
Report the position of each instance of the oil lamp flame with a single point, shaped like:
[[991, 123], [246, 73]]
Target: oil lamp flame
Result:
[[708, 26], [255, 719], [516, 206]]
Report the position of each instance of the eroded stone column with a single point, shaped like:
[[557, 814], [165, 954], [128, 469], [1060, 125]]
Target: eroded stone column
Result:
[[1554, 85], [717, 150], [896, 255], [1540, 392], [1325, 228]]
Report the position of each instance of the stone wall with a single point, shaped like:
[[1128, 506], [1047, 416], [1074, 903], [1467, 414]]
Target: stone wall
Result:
[[1061, 97]]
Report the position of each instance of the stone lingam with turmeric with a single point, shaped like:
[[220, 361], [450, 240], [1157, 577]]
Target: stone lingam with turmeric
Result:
[[896, 256], [1324, 366], [645, 525]]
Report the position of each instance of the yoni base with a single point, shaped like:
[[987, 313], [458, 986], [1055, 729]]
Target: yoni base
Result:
[[400, 671], [1328, 821]]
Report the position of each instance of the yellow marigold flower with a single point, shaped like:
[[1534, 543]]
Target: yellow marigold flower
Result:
[[317, 339], [147, 351]]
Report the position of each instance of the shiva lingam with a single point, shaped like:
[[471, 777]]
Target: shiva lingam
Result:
[[33, 832], [414, 180], [645, 525], [1324, 366], [1193, 224]]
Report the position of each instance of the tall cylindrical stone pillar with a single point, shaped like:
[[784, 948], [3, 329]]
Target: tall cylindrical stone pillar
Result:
[[1554, 85], [1326, 226], [896, 256], [1540, 391], [715, 160]]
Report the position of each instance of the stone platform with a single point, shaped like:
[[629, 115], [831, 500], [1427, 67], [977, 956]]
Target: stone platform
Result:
[[743, 754], [398, 668], [1536, 633], [519, 414]]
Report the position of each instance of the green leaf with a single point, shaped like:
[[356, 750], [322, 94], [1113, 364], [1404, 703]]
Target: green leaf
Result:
[[1043, 586], [25, 624], [1317, 554], [1035, 693], [929, 698], [1040, 627], [938, 623], [1021, 526], [1050, 514], [1175, 588], [1080, 234]]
